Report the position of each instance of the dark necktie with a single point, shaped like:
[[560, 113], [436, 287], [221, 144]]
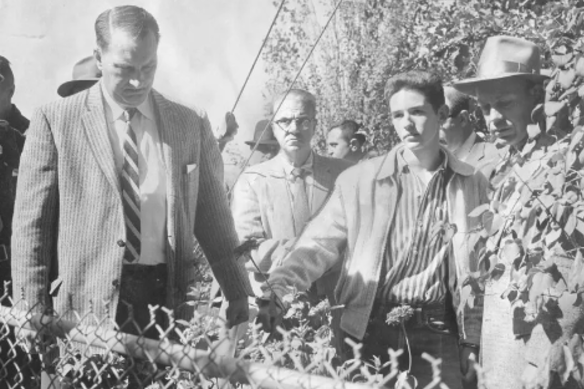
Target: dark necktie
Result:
[[130, 181], [299, 199]]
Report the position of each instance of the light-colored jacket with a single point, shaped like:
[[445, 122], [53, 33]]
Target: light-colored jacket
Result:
[[484, 156], [262, 209], [356, 218], [69, 219]]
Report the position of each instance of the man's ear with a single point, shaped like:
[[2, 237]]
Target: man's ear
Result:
[[354, 145], [443, 113], [97, 56], [463, 117]]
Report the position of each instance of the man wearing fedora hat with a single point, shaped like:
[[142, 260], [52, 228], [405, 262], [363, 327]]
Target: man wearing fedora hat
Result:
[[267, 145], [509, 89], [85, 74]]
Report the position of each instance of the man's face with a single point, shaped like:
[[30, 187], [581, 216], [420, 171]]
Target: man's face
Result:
[[337, 145], [507, 106], [128, 67], [415, 120], [294, 124], [449, 130]]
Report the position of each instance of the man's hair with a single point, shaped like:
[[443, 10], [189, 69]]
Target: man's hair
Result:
[[307, 97], [427, 83], [6, 70], [135, 21], [458, 101], [348, 129]]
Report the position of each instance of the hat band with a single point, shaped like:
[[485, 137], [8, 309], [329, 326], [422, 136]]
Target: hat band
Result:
[[505, 67]]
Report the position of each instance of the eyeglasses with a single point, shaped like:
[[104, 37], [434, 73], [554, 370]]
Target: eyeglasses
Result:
[[302, 123]]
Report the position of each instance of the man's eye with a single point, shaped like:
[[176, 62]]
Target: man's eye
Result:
[[284, 122]]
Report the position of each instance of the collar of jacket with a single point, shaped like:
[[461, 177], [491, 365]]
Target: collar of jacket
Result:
[[17, 120], [389, 164]]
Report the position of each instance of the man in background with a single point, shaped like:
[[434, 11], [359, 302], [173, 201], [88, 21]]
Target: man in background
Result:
[[459, 135], [267, 146], [344, 140], [8, 111], [12, 125], [517, 335], [85, 75]]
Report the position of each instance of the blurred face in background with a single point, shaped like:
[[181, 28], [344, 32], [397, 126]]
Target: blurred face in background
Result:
[[336, 143]]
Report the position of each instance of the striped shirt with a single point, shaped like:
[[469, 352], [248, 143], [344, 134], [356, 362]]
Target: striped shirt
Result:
[[415, 262]]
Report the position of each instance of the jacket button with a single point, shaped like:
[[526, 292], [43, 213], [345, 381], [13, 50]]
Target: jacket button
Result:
[[121, 243], [116, 283]]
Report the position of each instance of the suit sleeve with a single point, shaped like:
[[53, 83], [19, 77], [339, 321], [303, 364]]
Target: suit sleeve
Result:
[[35, 224], [214, 227], [245, 208], [319, 248]]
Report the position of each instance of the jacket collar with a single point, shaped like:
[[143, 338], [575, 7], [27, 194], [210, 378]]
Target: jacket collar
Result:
[[389, 164]]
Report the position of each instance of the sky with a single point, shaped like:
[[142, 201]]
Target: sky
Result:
[[206, 50]]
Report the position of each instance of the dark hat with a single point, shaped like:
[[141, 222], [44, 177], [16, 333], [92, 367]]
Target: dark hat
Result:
[[268, 135], [504, 57], [85, 74]]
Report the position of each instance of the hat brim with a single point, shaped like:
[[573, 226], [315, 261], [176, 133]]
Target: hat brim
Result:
[[470, 85], [263, 142], [65, 89]]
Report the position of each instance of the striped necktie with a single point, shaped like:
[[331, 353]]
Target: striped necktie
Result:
[[131, 190], [300, 199]]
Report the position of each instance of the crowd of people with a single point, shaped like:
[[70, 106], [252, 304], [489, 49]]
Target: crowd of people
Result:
[[117, 185]]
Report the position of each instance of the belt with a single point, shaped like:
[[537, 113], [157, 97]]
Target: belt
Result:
[[137, 272], [434, 317]]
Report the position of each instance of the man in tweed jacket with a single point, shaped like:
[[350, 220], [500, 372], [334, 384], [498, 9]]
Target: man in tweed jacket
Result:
[[71, 236]]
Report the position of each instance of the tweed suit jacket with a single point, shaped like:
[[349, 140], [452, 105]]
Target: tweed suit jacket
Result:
[[69, 219], [263, 211]]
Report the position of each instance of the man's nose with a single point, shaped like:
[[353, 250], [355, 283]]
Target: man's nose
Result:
[[495, 116], [135, 82]]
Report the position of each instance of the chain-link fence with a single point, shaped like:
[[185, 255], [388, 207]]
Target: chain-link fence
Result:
[[53, 351]]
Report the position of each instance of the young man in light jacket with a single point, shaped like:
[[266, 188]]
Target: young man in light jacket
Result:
[[402, 220]]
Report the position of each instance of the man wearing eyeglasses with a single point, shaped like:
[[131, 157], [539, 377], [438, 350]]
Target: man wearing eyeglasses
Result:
[[459, 136], [273, 200]]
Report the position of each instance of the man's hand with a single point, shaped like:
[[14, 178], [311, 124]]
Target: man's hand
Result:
[[270, 314], [237, 312], [469, 374]]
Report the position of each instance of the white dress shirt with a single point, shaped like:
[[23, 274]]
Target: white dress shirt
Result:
[[152, 174]]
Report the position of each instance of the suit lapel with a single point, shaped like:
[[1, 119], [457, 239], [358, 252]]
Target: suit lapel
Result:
[[278, 196], [322, 184], [168, 130], [96, 131]]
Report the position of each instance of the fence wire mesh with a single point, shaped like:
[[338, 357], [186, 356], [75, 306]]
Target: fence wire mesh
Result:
[[80, 350]]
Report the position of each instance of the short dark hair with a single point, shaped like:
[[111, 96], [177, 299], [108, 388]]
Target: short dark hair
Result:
[[348, 127], [135, 21], [308, 98], [6, 70], [427, 83], [458, 101]]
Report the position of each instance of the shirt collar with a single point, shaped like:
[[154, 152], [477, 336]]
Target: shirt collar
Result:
[[403, 167], [307, 166], [145, 108]]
